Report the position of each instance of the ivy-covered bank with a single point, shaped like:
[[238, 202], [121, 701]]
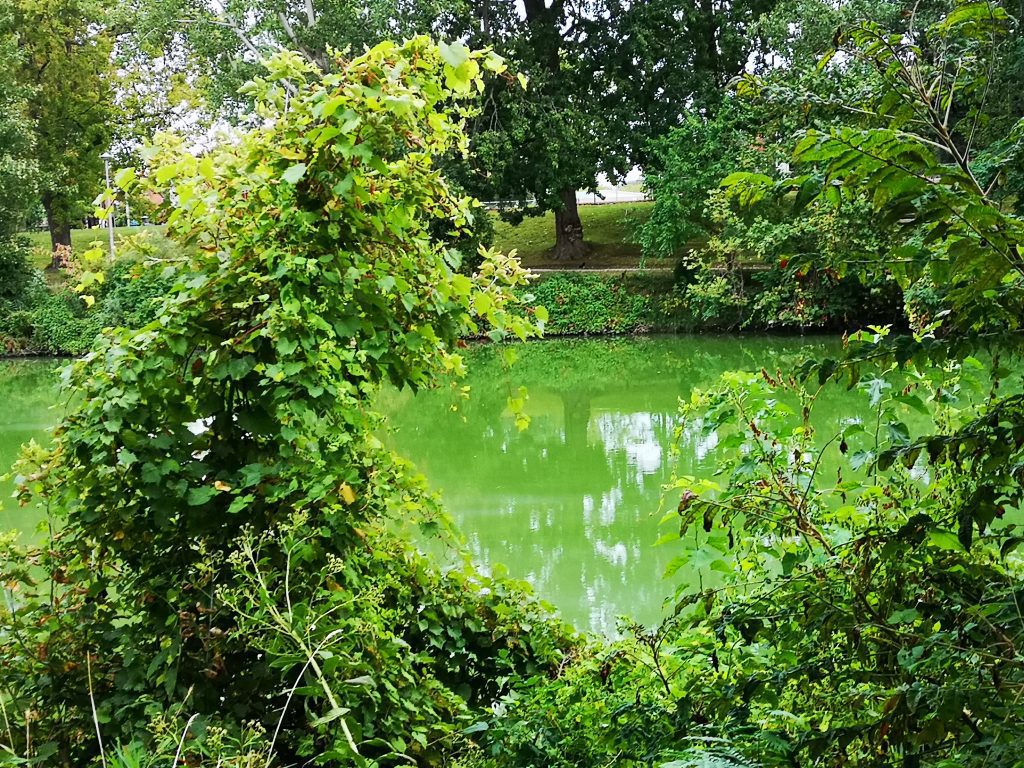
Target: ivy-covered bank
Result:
[[594, 303], [43, 319], [63, 313]]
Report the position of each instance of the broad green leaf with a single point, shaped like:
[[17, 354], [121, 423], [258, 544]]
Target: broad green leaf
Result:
[[294, 173]]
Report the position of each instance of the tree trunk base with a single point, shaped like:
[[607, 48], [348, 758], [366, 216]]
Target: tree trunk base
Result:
[[569, 244], [60, 231], [570, 250]]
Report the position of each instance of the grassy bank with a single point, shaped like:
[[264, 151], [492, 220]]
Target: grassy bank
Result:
[[609, 229], [81, 241]]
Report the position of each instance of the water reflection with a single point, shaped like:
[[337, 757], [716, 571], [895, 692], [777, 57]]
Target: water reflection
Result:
[[572, 503]]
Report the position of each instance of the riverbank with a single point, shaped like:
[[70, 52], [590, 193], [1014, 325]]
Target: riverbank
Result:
[[578, 303], [613, 292], [638, 302], [56, 323]]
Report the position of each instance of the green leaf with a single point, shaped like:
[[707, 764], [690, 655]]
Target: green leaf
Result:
[[905, 616], [1010, 544], [945, 540], [199, 496], [294, 173], [166, 173], [362, 680], [331, 716], [124, 177]]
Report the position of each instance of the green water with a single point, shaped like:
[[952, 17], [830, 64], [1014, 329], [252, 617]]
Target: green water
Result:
[[571, 504], [28, 389]]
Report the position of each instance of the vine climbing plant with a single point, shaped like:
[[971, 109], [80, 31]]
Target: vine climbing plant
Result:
[[224, 544]]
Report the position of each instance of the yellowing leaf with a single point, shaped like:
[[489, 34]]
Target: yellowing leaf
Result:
[[206, 169], [124, 177], [347, 494]]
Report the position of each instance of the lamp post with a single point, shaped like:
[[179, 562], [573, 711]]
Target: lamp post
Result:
[[110, 206]]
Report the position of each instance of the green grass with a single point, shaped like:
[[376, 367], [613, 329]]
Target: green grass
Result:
[[609, 229], [81, 240]]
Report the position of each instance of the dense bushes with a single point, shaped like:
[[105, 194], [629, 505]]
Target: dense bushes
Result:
[[16, 274], [686, 167], [37, 318], [60, 324], [582, 303], [579, 303], [232, 540], [744, 299]]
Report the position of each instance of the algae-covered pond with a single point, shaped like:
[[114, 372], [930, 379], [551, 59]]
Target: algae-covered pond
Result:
[[570, 504]]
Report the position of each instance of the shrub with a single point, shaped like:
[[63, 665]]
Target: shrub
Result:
[[36, 318], [589, 304], [132, 294], [233, 536], [61, 325], [16, 274], [715, 301], [688, 164], [789, 299], [924, 301]]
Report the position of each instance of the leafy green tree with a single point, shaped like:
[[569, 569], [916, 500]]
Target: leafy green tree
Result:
[[66, 67], [17, 167], [687, 165], [226, 40], [18, 170], [914, 151], [736, 133], [600, 85]]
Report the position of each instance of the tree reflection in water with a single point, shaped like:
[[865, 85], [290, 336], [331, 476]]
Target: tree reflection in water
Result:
[[572, 503]]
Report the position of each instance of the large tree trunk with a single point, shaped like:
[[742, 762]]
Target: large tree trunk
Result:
[[59, 225], [569, 229], [709, 22], [545, 23]]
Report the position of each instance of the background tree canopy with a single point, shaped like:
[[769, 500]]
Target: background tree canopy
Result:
[[65, 67], [605, 76]]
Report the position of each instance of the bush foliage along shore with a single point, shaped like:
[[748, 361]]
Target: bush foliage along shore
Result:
[[56, 321], [40, 318]]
